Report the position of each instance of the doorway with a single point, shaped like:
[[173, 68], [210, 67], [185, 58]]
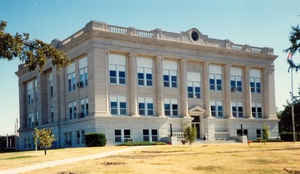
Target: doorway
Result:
[[196, 125]]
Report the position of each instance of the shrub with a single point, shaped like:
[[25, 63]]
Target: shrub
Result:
[[190, 134], [95, 139], [266, 133], [142, 143]]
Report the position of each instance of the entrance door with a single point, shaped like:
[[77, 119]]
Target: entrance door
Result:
[[196, 125]]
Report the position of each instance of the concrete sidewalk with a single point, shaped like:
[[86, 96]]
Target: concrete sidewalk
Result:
[[67, 161]]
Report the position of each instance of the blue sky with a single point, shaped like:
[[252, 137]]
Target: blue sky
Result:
[[257, 22]]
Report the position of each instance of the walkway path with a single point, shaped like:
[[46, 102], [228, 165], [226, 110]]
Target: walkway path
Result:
[[67, 161]]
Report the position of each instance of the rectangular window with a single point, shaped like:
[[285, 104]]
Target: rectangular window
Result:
[[52, 114], [236, 79], [237, 109], [193, 85], [217, 109], [171, 107], [83, 72], [145, 106], [127, 135], [144, 71], [29, 91], [170, 73], [82, 137], [146, 135], [84, 104], [117, 69], [258, 133], [257, 110], [154, 134], [118, 136], [118, 105], [215, 77], [72, 110], [71, 75], [255, 80]]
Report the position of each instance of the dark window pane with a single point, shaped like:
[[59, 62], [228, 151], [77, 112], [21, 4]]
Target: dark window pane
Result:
[[126, 132], [140, 75], [117, 132], [145, 131], [174, 81], [212, 84], [154, 131], [149, 76]]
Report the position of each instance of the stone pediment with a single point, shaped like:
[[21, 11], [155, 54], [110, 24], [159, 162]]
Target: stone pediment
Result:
[[196, 110]]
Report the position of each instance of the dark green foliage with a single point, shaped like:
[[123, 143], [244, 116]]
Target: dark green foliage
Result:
[[285, 123], [143, 143], [266, 133], [294, 40], [95, 139], [190, 134], [33, 53]]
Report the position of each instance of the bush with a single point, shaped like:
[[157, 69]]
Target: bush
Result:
[[95, 139], [142, 143], [190, 134], [266, 133]]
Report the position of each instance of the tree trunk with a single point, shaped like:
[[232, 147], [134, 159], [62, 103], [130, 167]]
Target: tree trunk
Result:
[[45, 151], [36, 147]]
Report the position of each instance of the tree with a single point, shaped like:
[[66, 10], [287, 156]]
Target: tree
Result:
[[33, 53], [36, 136], [266, 133], [46, 138], [189, 134], [285, 123]]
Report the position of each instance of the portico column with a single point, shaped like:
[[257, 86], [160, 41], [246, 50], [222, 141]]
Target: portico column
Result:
[[132, 85], [159, 86], [247, 93], [183, 88], [269, 93], [206, 91], [227, 90]]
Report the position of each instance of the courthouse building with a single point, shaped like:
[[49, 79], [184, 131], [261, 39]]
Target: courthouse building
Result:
[[137, 85]]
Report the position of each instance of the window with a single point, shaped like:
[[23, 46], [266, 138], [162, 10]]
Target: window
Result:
[[30, 120], [117, 69], [71, 75], [257, 110], [216, 108], [236, 80], [72, 110], [171, 107], [83, 72], [258, 133], [82, 137], [154, 134], [146, 135], [145, 106], [29, 90], [170, 74], [144, 71], [193, 85], [239, 132], [215, 77], [255, 81], [68, 138], [118, 136], [237, 110], [50, 84], [52, 114], [127, 136], [84, 106], [118, 105]]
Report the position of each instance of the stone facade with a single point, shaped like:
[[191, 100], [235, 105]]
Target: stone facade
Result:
[[188, 78]]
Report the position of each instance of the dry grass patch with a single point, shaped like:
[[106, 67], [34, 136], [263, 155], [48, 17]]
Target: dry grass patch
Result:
[[271, 158], [20, 159]]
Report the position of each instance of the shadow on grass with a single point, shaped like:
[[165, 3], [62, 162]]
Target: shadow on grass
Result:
[[17, 157], [208, 168]]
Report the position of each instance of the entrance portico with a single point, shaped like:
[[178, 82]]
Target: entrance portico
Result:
[[197, 114]]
